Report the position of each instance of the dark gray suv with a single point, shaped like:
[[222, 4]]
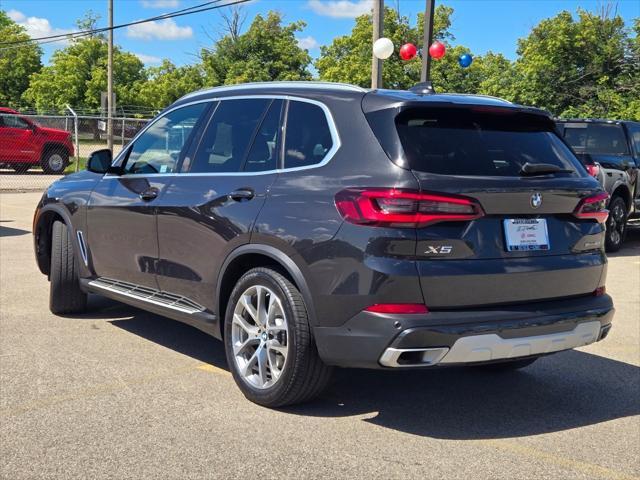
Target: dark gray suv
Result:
[[610, 150], [313, 225]]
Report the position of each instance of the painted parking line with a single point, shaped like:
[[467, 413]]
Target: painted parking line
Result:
[[590, 469]]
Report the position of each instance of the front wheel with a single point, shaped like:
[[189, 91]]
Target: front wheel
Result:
[[616, 224], [54, 161], [65, 295], [268, 341]]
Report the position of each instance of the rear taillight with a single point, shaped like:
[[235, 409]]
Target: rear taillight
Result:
[[403, 208], [593, 208], [593, 170], [398, 308]]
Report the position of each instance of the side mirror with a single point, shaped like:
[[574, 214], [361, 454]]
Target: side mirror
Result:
[[100, 161]]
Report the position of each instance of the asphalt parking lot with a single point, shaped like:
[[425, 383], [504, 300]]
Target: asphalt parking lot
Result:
[[120, 393]]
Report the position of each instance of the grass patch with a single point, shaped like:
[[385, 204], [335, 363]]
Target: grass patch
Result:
[[71, 168]]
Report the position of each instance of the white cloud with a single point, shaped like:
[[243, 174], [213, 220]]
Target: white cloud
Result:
[[160, 30], [340, 8], [308, 43], [148, 59], [36, 26], [160, 3]]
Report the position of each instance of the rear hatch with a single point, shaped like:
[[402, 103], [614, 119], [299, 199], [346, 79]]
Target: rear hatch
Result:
[[533, 232]]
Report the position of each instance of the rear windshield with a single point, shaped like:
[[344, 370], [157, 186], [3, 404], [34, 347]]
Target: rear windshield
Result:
[[469, 142], [596, 138]]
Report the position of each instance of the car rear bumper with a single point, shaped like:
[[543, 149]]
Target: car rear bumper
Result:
[[371, 340]]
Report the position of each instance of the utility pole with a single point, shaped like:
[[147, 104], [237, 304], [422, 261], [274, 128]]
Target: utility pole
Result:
[[110, 80], [425, 73], [378, 23]]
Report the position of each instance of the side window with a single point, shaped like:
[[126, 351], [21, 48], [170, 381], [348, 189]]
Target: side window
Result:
[[634, 132], [227, 137], [13, 121], [158, 149], [263, 155], [308, 137]]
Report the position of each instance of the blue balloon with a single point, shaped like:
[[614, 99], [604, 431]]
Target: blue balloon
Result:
[[465, 60]]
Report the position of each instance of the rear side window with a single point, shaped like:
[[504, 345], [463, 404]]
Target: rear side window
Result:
[[478, 143], [308, 137], [634, 131], [227, 137], [596, 138], [263, 155]]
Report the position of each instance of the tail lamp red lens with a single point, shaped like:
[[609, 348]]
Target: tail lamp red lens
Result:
[[398, 308], [593, 170], [403, 208], [593, 208]]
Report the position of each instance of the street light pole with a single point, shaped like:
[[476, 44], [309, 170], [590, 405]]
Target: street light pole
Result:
[[110, 80], [425, 73], [378, 23]]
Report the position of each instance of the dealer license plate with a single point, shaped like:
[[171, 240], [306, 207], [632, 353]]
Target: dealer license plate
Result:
[[526, 234]]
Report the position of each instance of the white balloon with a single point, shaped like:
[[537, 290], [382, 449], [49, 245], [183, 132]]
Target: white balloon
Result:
[[383, 48]]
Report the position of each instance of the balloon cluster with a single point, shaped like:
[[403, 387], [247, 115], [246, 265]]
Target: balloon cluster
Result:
[[383, 49]]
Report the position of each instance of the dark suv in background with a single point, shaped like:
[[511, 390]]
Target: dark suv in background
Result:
[[313, 225], [610, 150]]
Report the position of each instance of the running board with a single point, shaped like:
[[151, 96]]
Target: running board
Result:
[[147, 295]]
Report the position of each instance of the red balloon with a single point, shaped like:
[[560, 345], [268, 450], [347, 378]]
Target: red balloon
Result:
[[408, 51], [437, 50]]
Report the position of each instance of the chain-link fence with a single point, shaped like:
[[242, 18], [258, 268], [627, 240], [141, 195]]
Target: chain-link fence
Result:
[[37, 149]]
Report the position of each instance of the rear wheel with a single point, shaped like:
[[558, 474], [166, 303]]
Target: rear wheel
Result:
[[268, 341], [65, 295], [616, 224], [54, 161], [507, 366]]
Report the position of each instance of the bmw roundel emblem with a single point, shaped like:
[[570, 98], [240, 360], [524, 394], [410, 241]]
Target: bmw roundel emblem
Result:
[[536, 200]]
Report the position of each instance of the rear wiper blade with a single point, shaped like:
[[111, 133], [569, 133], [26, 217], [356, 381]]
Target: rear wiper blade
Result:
[[542, 169]]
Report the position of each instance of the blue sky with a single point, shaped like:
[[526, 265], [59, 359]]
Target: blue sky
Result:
[[481, 25]]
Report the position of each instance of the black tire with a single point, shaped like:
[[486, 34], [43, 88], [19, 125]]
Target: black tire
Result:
[[304, 375], [507, 366], [65, 296], [54, 161], [616, 224]]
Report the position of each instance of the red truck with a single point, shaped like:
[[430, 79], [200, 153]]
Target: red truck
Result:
[[24, 144]]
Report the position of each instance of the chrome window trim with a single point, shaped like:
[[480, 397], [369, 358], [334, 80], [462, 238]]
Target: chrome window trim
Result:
[[335, 137]]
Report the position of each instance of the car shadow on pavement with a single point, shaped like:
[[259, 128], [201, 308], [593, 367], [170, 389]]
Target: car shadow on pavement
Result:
[[559, 392], [12, 232]]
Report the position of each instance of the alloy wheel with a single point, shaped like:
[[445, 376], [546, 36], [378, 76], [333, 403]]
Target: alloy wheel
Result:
[[616, 224], [259, 337], [56, 162]]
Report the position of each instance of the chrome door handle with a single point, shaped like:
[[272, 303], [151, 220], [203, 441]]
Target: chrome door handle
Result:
[[149, 194], [242, 194]]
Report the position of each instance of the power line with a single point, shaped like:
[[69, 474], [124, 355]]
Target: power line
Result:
[[204, 7]]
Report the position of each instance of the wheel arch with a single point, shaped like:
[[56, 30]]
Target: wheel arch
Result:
[[623, 191], [250, 256], [53, 145], [42, 234]]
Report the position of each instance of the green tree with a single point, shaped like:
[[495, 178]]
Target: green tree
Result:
[[266, 51], [348, 58], [166, 83], [578, 67], [78, 74], [17, 63]]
